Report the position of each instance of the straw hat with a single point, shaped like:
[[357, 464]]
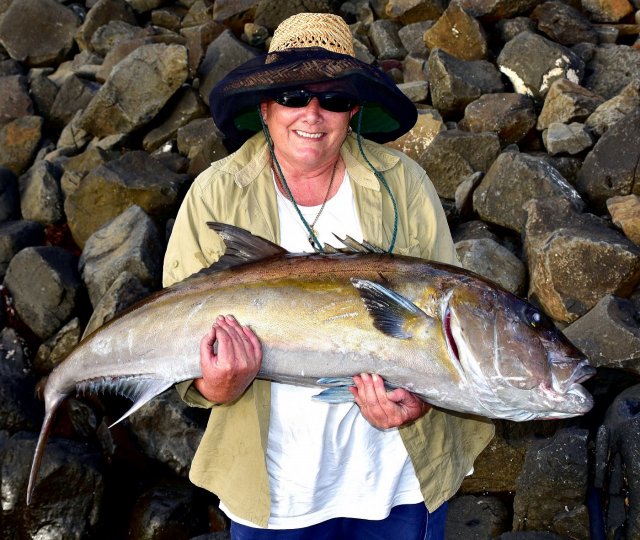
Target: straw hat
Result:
[[307, 49]]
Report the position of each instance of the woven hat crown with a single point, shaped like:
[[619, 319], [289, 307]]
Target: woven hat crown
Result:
[[313, 30]]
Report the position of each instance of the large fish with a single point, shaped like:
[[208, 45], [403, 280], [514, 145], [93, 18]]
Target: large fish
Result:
[[455, 339]]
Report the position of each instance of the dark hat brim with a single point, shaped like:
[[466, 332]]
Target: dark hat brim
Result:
[[386, 112]]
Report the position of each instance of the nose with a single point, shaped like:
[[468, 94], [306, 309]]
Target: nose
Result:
[[313, 108]]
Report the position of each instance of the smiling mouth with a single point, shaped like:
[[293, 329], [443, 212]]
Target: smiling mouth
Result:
[[306, 135]]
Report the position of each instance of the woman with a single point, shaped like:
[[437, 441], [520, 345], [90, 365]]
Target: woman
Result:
[[282, 465]]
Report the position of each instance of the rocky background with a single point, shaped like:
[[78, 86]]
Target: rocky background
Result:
[[529, 128]]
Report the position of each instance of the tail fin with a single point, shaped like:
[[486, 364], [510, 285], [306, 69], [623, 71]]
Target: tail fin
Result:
[[50, 410]]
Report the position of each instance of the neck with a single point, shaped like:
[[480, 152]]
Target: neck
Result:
[[310, 187]]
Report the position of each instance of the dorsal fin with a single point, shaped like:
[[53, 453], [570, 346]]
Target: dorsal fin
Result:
[[242, 246]]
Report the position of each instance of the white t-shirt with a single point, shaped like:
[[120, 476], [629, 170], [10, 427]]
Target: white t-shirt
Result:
[[326, 461]]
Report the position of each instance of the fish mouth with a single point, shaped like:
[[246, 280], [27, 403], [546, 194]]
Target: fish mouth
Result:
[[448, 334]]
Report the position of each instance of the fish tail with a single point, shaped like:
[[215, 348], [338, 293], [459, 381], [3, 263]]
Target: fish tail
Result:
[[50, 410]]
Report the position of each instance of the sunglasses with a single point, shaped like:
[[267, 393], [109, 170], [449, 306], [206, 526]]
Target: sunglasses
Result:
[[330, 101]]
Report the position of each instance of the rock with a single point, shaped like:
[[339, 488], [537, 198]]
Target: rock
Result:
[[456, 83], [495, 10], [19, 410], [16, 101], [130, 243], [562, 138], [225, 53], [611, 168], [524, 177], [625, 213], [511, 116], [507, 29], [19, 140], [135, 178], [553, 485], [42, 91], [100, 14], [126, 290], [608, 334], [385, 40], [532, 75], [169, 17], [615, 109], [414, 11], [168, 431], [41, 195], [185, 106], [606, 10], [142, 6], [200, 12], [457, 33], [73, 138], [415, 68], [453, 155], [255, 35], [15, 236], [77, 167], [68, 495], [202, 143], [46, 307], [493, 261], [54, 350], [463, 197], [117, 33], [412, 38], [158, 70], [38, 32], [198, 38], [567, 102], [417, 140], [564, 24], [9, 196], [476, 518], [574, 259], [74, 96], [168, 510], [611, 68]]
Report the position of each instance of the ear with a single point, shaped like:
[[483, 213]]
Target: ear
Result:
[[263, 110], [354, 111]]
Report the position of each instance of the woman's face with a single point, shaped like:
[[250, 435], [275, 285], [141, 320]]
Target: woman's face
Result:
[[308, 136]]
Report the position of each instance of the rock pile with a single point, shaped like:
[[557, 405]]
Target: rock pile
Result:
[[529, 126]]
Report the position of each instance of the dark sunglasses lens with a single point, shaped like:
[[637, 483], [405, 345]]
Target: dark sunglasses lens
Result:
[[293, 99], [336, 102]]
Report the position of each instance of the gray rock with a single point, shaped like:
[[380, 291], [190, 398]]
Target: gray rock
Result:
[[199, 12], [135, 178], [575, 259], [202, 143], [567, 102], [168, 431], [140, 86], [511, 116], [168, 510], [476, 518], [385, 40], [100, 14], [225, 10], [507, 29], [17, 235], [416, 91], [73, 138], [68, 495], [74, 95], [458, 34], [19, 141], [618, 464], [611, 168], [553, 485], [413, 11], [43, 91], [494, 10], [464, 194], [611, 68], [46, 307], [40, 193], [142, 6], [609, 334], [198, 38], [77, 167], [129, 243], [524, 177], [55, 349], [19, 410], [116, 33], [412, 38], [9, 196], [169, 17], [562, 138], [15, 98], [225, 53], [564, 24], [494, 262], [454, 155], [38, 32], [532, 74], [185, 106], [126, 290], [456, 83]]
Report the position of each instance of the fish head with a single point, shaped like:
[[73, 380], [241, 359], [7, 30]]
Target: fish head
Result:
[[517, 362]]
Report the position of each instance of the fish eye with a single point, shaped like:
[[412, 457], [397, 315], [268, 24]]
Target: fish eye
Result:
[[534, 317]]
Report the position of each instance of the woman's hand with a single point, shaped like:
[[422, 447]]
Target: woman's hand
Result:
[[227, 372], [386, 409]]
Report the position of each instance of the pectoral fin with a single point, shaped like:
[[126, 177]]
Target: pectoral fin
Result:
[[392, 313]]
